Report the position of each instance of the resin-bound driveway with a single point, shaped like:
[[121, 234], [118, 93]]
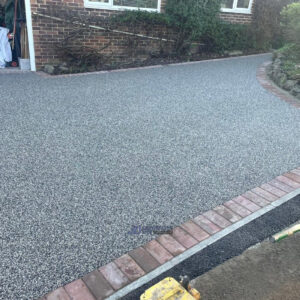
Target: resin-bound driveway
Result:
[[85, 158]]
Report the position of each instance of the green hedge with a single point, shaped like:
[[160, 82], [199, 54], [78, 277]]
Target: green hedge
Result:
[[266, 23], [198, 21], [191, 18], [290, 58], [140, 17], [222, 36], [290, 22], [188, 18]]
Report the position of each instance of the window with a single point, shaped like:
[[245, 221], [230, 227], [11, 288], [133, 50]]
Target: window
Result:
[[237, 6], [149, 5]]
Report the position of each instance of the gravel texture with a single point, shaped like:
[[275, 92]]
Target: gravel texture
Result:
[[82, 159]]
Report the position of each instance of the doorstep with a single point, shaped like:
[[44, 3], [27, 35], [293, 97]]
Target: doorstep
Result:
[[13, 71]]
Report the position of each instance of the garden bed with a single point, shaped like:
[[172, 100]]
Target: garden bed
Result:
[[285, 69], [64, 68]]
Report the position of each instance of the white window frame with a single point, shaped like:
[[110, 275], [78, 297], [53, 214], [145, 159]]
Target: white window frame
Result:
[[110, 6], [237, 10]]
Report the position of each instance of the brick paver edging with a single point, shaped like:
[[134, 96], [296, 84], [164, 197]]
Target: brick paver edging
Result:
[[46, 75], [268, 84], [137, 263]]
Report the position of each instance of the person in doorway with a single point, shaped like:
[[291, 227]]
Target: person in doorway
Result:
[[14, 16], [5, 49]]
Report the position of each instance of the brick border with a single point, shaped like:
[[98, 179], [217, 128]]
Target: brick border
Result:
[[46, 75], [268, 84], [108, 279]]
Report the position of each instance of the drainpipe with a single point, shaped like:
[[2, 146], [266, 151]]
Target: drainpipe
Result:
[[30, 35]]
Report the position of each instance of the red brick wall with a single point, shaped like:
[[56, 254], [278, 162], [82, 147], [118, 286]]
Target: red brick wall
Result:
[[48, 32], [236, 18]]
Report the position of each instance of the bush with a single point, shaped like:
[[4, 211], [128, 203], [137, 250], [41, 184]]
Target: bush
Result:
[[139, 17], [191, 18], [290, 22], [266, 23], [290, 56], [221, 36], [285, 69], [289, 51]]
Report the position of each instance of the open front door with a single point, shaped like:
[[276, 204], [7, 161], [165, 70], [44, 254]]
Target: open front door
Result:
[[16, 35]]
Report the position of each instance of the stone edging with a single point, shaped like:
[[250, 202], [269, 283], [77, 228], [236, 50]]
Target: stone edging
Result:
[[137, 263], [265, 81]]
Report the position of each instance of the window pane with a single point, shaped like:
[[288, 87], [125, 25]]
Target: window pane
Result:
[[137, 3], [227, 3], [243, 4]]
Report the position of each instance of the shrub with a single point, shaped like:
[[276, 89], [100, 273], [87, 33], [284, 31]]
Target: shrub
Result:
[[285, 69], [188, 18], [266, 23], [290, 22], [290, 51], [191, 18], [221, 36], [139, 17]]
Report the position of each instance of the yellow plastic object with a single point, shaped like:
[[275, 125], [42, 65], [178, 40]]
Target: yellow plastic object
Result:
[[169, 289], [288, 232]]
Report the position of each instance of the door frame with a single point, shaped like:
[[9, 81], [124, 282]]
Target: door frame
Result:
[[30, 35]]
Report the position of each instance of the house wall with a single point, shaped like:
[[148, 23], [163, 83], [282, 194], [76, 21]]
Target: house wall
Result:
[[236, 18], [49, 32]]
